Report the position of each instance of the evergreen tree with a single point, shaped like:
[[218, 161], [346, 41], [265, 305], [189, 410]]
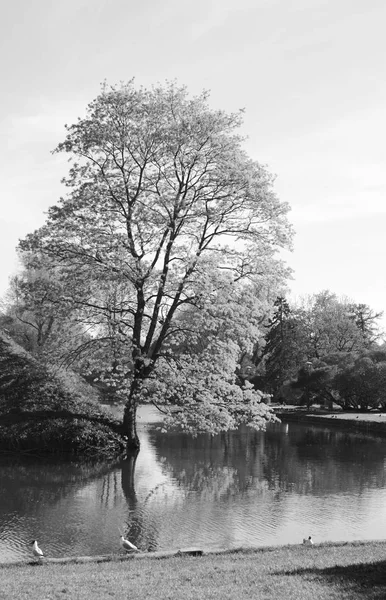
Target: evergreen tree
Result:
[[284, 350]]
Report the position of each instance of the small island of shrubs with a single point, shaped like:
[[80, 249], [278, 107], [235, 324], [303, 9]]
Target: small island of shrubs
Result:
[[47, 411]]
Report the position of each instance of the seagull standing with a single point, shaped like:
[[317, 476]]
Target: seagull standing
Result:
[[36, 550], [128, 546], [308, 541]]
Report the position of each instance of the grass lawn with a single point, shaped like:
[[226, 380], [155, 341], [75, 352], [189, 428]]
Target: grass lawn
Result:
[[325, 572]]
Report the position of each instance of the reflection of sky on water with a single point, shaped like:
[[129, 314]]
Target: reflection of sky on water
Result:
[[239, 489]]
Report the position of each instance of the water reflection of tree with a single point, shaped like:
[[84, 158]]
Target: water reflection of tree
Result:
[[138, 528], [305, 460], [321, 461], [40, 498], [25, 481], [214, 466]]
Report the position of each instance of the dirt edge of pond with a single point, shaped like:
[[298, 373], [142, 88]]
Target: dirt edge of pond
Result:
[[197, 552]]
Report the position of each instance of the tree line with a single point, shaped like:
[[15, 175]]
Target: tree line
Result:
[[324, 349]]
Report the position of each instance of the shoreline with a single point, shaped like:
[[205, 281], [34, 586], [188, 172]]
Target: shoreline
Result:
[[187, 552], [372, 423]]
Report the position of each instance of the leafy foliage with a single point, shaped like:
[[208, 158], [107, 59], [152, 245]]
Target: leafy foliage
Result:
[[362, 384], [34, 319], [200, 393], [166, 215], [315, 383], [308, 347], [366, 321], [41, 411], [353, 380], [331, 325], [285, 347]]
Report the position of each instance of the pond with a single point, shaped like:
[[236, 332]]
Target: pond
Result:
[[243, 488]]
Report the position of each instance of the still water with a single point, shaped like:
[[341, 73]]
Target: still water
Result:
[[242, 488]]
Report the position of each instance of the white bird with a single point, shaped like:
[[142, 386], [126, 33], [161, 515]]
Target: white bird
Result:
[[36, 550], [128, 546], [308, 541]]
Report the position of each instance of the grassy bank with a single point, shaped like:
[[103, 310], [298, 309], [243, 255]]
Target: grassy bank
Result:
[[326, 571]]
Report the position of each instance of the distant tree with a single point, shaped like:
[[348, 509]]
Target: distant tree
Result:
[[330, 326], [285, 348], [25, 314], [353, 380], [33, 316], [314, 383], [367, 323], [165, 212], [324, 332], [362, 383]]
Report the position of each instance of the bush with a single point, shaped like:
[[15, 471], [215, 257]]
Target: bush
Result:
[[56, 436], [43, 412]]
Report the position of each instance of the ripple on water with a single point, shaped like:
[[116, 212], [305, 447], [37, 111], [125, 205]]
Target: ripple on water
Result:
[[242, 488]]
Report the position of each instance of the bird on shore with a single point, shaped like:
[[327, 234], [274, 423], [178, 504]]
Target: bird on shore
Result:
[[308, 541], [128, 546], [36, 550]]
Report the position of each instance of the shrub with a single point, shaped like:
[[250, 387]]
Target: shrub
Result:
[[46, 412]]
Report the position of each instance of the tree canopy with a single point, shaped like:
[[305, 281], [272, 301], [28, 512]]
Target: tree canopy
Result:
[[167, 220]]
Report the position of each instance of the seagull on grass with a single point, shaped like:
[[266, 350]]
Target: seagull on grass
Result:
[[128, 546], [36, 550], [308, 541]]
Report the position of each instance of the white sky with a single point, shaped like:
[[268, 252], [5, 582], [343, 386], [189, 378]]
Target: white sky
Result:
[[310, 74]]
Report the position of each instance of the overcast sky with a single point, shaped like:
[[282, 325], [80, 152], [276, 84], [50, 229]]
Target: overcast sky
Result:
[[310, 74]]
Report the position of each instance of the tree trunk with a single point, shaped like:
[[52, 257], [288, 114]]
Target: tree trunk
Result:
[[130, 412], [130, 426]]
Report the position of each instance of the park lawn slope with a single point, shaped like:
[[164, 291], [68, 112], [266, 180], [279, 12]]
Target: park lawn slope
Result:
[[324, 572]]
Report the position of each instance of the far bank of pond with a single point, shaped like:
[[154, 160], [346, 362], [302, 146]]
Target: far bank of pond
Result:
[[370, 422]]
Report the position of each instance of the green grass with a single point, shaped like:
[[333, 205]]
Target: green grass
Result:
[[324, 572]]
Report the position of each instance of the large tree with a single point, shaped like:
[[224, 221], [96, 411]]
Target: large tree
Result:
[[165, 214]]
